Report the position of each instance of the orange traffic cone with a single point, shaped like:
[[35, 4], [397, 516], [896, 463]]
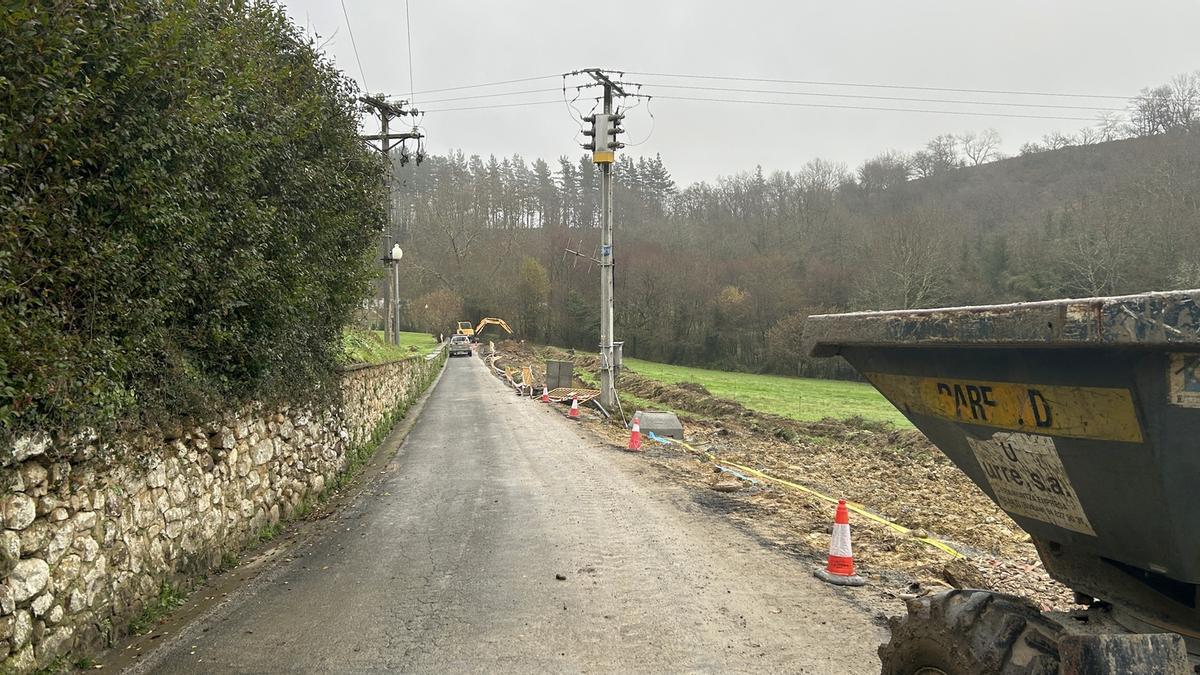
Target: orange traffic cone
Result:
[[635, 437], [545, 394], [574, 414], [840, 569]]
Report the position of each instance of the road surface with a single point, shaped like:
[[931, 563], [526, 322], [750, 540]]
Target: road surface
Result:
[[447, 562]]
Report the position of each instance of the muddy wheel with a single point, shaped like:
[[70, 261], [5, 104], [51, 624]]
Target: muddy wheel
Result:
[[969, 632]]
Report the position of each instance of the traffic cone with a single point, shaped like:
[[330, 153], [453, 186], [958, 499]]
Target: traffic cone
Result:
[[635, 437], [840, 568], [545, 394], [574, 414]]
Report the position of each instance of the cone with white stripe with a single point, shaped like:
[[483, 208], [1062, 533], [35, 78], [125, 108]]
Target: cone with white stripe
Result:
[[635, 437], [545, 394], [840, 568], [574, 414]]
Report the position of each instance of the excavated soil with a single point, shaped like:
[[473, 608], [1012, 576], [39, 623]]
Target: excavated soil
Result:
[[897, 474]]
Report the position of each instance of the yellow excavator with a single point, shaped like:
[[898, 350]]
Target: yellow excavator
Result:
[[465, 327]]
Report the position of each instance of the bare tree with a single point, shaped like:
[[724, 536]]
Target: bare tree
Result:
[[981, 148], [1088, 136], [1185, 100], [1152, 112], [1031, 148], [1112, 126], [883, 172], [822, 174], [912, 263], [1058, 140], [1167, 107]]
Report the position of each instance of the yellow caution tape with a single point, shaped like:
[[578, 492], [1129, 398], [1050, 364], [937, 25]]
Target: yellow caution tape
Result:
[[853, 506]]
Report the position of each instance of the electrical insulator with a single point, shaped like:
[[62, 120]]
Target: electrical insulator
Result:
[[613, 130], [591, 133]]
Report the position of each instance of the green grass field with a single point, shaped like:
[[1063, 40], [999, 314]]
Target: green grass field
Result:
[[795, 397], [368, 346]]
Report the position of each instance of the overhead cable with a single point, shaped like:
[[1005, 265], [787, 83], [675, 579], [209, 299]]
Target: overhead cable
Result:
[[362, 73], [408, 30], [499, 105], [881, 86], [882, 109], [493, 95], [882, 98], [490, 84]]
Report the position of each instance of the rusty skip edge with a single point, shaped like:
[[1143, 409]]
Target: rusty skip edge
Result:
[[1144, 320]]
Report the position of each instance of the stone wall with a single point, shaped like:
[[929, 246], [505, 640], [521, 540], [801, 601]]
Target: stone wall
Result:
[[90, 534]]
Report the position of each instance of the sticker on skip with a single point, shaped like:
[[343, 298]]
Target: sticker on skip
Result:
[[1028, 479], [1183, 377]]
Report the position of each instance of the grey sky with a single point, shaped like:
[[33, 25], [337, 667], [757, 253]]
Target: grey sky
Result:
[[1091, 47]]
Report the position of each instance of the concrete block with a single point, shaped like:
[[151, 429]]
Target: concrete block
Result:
[[559, 374], [661, 423]]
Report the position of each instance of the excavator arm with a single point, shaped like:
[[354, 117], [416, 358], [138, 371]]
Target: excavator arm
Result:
[[490, 321]]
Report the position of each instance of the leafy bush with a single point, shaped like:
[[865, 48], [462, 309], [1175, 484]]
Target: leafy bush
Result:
[[185, 209]]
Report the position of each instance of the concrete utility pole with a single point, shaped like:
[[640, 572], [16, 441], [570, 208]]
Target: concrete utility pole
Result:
[[386, 111], [605, 128]]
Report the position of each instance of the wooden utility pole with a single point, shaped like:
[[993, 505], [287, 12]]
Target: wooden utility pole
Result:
[[386, 111]]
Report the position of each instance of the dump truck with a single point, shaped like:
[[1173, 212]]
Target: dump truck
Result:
[[1081, 420]]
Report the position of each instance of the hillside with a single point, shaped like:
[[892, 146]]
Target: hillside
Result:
[[722, 274]]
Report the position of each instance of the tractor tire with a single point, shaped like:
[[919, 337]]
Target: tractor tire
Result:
[[965, 632]]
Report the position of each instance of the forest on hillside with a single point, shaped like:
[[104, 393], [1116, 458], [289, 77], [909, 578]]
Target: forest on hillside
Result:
[[723, 274]]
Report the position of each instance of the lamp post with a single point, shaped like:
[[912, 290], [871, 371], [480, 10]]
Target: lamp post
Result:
[[393, 281]]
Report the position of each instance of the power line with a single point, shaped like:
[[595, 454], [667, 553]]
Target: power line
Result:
[[408, 29], [502, 93], [489, 107], [794, 104], [491, 84], [799, 93], [879, 86], [882, 98], [362, 73], [883, 109]]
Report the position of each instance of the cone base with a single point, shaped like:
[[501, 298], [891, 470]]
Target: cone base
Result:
[[838, 579]]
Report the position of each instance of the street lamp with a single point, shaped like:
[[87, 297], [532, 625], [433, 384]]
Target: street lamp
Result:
[[393, 314]]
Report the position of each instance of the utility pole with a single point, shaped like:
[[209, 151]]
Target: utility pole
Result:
[[386, 111], [604, 144]]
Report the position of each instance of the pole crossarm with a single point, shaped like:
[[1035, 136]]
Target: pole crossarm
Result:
[[392, 137], [385, 107]]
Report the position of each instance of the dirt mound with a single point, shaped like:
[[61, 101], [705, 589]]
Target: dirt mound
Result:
[[687, 397]]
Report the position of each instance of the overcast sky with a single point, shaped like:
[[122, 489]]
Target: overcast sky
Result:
[[1099, 47]]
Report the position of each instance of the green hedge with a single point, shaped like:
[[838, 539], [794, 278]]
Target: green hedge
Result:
[[186, 211]]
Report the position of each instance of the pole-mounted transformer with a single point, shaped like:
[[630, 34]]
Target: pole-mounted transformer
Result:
[[605, 126]]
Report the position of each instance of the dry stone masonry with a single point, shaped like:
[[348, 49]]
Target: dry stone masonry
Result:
[[89, 535]]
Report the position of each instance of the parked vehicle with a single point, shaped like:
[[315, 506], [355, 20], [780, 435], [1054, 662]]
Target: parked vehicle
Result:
[[460, 345]]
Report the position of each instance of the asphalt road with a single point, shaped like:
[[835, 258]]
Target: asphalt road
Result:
[[446, 562]]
